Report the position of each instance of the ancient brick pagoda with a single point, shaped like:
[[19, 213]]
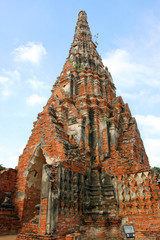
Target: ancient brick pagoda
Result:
[[84, 173]]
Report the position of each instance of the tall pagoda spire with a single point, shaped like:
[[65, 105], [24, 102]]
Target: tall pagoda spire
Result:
[[82, 28], [83, 51], [84, 60], [85, 165]]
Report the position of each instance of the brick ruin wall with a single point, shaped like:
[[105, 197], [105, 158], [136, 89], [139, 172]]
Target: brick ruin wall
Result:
[[7, 180], [9, 221], [137, 196], [139, 203]]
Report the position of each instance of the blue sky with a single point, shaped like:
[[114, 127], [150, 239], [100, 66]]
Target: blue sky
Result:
[[35, 41]]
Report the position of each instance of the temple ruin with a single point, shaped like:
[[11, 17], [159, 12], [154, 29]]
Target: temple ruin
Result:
[[84, 173]]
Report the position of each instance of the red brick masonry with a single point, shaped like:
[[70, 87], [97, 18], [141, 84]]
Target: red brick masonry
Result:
[[84, 172]]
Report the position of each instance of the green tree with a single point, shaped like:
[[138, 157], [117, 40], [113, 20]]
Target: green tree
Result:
[[2, 168], [157, 170]]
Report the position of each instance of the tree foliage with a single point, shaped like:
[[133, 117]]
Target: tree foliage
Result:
[[2, 168], [157, 170]]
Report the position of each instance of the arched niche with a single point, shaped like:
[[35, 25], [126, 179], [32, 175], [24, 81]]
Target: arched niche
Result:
[[33, 184]]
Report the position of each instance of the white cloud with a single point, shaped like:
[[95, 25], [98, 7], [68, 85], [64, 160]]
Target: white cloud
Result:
[[13, 75], [150, 129], [134, 65], [8, 81], [35, 100], [9, 159], [32, 52], [154, 99], [3, 80], [149, 124], [125, 71], [6, 93], [35, 84], [152, 147], [128, 71], [132, 95], [118, 61]]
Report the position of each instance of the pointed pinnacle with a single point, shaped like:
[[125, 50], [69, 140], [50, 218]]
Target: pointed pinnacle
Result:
[[82, 28]]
